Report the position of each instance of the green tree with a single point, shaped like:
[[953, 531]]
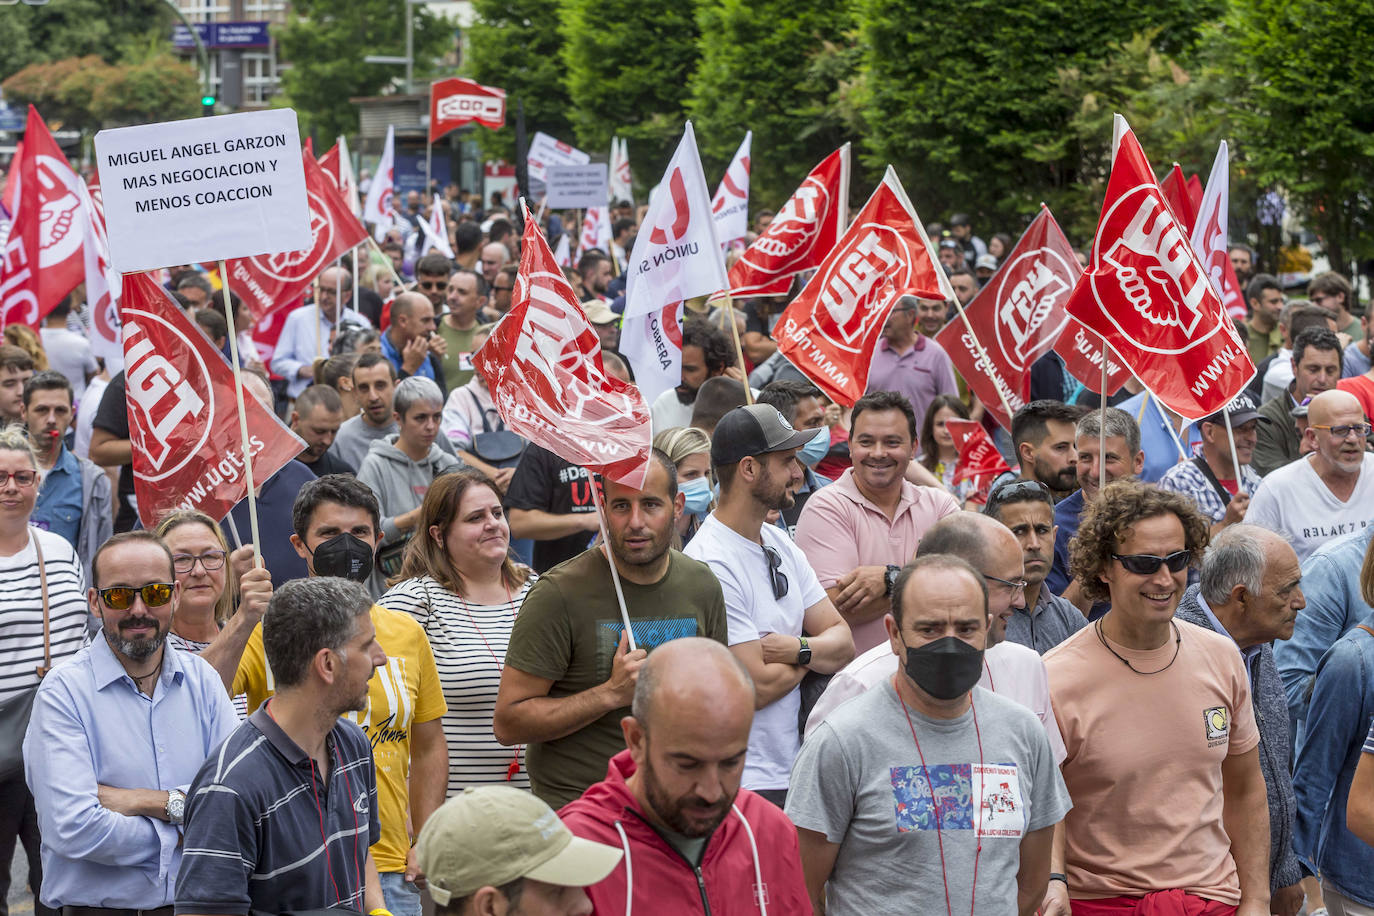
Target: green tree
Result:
[[628, 67], [514, 46], [965, 100], [86, 93], [1305, 112], [325, 42], [771, 66], [78, 28]]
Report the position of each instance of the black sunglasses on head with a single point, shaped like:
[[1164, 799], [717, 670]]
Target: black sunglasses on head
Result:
[[1147, 564], [776, 576]]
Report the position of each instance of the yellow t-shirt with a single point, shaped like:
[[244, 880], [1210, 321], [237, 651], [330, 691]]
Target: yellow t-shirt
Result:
[[403, 692]]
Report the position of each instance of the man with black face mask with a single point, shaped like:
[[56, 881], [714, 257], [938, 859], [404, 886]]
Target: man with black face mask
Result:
[[337, 529], [967, 775]]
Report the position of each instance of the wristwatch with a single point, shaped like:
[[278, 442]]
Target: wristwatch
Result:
[[804, 653], [890, 578], [176, 807]]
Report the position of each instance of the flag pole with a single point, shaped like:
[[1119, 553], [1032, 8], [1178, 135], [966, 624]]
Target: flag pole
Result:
[[319, 316], [987, 362], [739, 350], [1231, 439], [1102, 425], [243, 413], [400, 284], [610, 558]]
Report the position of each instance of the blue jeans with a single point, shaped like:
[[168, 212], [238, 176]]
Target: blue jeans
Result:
[[402, 898]]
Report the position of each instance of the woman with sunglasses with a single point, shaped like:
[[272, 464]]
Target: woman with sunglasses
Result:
[[459, 581], [26, 598]]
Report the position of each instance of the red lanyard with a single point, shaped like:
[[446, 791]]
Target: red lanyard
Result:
[[977, 807], [514, 766]]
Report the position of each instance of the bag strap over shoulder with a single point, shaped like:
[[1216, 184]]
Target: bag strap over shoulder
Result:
[[43, 588]]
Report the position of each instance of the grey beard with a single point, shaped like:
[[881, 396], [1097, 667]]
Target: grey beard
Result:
[[135, 651]]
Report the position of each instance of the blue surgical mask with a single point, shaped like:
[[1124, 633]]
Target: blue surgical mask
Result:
[[698, 494], [812, 452]]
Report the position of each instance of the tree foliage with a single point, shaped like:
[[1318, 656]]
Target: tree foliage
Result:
[[86, 93], [78, 28], [628, 66], [325, 42], [514, 46]]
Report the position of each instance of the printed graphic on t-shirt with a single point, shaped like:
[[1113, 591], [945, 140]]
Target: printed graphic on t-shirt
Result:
[[650, 633], [1218, 725], [1000, 812]]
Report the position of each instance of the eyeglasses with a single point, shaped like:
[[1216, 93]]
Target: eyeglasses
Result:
[[1147, 564], [436, 284], [121, 597], [1337, 432], [501, 289], [21, 478], [776, 576], [185, 562], [1016, 585]]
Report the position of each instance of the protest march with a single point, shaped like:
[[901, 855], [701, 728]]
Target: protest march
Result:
[[613, 543]]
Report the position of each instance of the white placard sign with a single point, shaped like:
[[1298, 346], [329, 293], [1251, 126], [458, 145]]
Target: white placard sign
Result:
[[204, 189], [579, 186], [545, 151]]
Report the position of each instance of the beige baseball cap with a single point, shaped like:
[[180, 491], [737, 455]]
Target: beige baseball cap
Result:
[[495, 834]]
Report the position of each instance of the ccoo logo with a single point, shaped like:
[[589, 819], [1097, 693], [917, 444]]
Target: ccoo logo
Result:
[[301, 266], [1031, 292]]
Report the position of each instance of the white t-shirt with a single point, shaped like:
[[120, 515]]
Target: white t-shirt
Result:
[[751, 611], [1010, 670], [667, 412], [70, 354], [1293, 502]]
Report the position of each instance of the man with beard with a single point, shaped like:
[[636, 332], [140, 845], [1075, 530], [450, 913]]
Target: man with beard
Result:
[[1043, 435], [316, 417], [876, 833], [705, 354], [693, 832], [569, 672], [1221, 490], [114, 732], [912, 364], [859, 532], [1328, 493], [782, 624], [281, 817]]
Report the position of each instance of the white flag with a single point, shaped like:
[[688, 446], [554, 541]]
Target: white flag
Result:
[[653, 345], [562, 254], [378, 210], [1211, 235], [348, 182], [622, 187], [103, 284], [596, 230], [434, 230], [730, 206], [677, 255]]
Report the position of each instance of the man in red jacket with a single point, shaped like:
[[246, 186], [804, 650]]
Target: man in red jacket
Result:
[[694, 841]]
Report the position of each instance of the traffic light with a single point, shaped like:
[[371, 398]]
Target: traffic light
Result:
[[207, 105]]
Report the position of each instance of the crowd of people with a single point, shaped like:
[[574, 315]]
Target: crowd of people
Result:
[[1140, 660]]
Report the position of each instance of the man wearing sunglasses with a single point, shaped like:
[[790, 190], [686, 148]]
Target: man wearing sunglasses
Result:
[[781, 623], [1328, 493], [1170, 811], [307, 333], [116, 736]]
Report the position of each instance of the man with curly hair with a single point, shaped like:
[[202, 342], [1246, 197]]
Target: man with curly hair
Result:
[[1156, 715]]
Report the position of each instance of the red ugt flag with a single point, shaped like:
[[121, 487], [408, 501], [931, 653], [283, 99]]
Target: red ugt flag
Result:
[[979, 459], [271, 281], [803, 232], [457, 101], [183, 417], [1017, 316], [1148, 294], [830, 330], [43, 255], [543, 366]]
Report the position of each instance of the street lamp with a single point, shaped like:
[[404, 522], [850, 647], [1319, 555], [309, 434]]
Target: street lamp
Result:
[[409, 59]]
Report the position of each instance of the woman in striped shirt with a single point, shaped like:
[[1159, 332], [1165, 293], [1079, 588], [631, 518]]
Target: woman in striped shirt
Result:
[[459, 581]]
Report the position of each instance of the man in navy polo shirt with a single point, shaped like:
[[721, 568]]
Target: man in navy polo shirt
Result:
[[281, 815]]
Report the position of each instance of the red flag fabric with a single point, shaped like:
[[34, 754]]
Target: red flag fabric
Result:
[[457, 101], [183, 418], [979, 459], [268, 282], [1017, 316], [329, 164], [1147, 293], [543, 366], [1176, 192], [830, 330], [43, 255], [802, 233], [1083, 353]]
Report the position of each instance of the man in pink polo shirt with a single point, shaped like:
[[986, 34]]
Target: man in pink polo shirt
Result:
[[911, 363], [861, 530]]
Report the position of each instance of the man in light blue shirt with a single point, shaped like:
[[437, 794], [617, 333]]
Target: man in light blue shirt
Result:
[[305, 335], [116, 736]]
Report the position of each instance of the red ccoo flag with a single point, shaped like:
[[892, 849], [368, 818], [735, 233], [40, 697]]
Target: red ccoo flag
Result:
[[183, 420], [802, 233], [1147, 293], [43, 255], [830, 330], [268, 282], [457, 101], [543, 366]]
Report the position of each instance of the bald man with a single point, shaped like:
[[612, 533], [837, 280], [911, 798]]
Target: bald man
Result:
[[1328, 493], [672, 800], [308, 332], [494, 257], [411, 344]]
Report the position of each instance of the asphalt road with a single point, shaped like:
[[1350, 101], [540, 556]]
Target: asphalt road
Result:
[[20, 900]]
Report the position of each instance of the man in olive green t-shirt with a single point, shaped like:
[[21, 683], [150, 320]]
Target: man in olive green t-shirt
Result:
[[569, 675], [466, 295]]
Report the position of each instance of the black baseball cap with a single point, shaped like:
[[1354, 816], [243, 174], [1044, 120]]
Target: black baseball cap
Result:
[[755, 429], [1242, 410]]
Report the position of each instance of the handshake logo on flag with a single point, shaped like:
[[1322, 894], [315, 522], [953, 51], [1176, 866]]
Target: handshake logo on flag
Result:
[[847, 288], [1041, 286]]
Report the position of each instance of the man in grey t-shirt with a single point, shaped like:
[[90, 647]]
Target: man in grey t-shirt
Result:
[[907, 792]]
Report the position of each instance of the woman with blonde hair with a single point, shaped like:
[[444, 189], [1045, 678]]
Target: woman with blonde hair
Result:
[[458, 580], [689, 449], [26, 339]]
